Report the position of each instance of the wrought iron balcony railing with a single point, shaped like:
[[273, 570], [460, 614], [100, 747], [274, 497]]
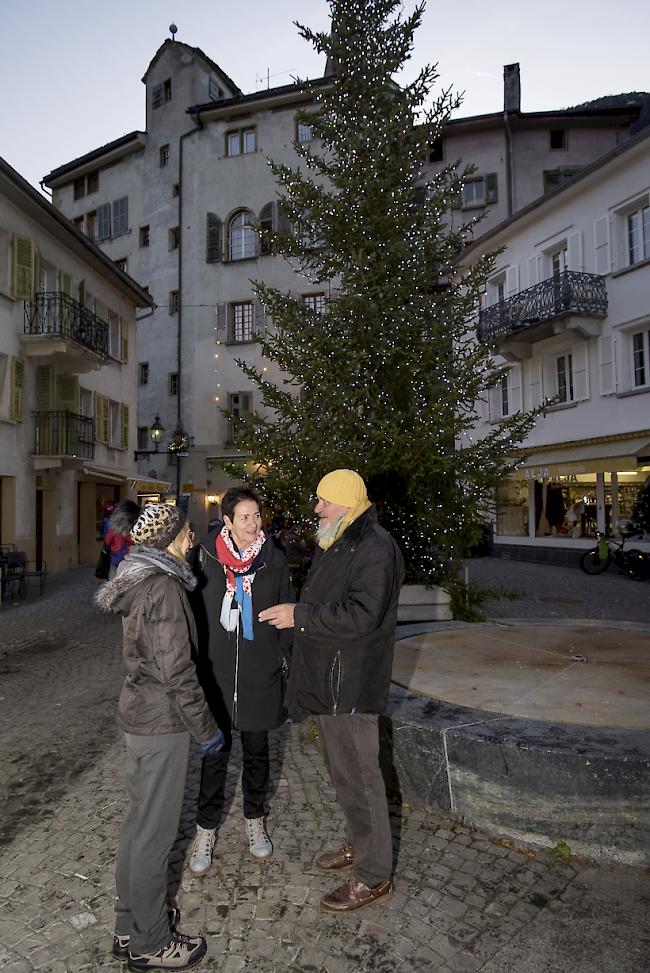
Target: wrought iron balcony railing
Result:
[[55, 314], [63, 434], [570, 292]]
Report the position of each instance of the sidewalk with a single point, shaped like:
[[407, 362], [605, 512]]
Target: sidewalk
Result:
[[462, 902]]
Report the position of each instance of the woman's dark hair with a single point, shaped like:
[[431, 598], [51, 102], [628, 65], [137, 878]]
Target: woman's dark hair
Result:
[[234, 496]]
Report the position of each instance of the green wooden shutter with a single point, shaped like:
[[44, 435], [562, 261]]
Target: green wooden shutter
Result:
[[491, 187], [65, 283], [23, 267], [124, 341], [67, 393], [44, 388], [125, 425], [102, 419], [101, 310], [81, 292], [45, 404], [106, 420], [16, 401]]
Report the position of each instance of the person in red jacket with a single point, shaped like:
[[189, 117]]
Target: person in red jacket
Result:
[[117, 537]]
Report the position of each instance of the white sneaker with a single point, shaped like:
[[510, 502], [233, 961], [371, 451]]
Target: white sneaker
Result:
[[259, 842], [201, 857]]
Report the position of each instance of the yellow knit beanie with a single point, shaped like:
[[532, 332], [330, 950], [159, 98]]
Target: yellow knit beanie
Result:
[[344, 487]]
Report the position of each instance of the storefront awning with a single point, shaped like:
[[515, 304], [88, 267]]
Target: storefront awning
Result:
[[149, 486], [104, 474], [592, 457]]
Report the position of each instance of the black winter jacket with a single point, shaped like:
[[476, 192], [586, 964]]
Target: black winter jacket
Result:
[[161, 693], [345, 623], [242, 680]]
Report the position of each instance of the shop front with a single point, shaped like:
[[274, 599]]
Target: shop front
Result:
[[562, 494]]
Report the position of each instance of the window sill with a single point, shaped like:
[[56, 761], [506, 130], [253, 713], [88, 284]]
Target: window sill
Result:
[[240, 260], [475, 205], [561, 406], [244, 341], [636, 266], [626, 393]]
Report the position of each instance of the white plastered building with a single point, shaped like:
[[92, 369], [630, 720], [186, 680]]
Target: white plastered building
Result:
[[567, 314], [67, 381]]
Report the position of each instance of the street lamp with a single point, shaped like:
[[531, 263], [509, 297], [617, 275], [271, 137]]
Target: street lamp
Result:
[[178, 446], [156, 433]]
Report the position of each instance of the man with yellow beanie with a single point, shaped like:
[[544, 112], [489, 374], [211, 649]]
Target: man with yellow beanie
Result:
[[340, 671]]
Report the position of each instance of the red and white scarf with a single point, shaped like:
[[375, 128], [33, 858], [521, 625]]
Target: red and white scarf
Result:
[[236, 563]]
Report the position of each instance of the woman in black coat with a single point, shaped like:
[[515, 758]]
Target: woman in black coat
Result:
[[242, 663]]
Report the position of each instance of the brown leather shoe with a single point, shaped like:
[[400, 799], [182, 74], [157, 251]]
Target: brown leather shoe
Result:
[[355, 895], [331, 860]]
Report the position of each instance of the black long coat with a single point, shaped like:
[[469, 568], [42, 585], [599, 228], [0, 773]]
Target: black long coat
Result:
[[262, 662], [345, 623]]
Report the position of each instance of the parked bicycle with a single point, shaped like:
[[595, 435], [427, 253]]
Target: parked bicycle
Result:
[[633, 562]]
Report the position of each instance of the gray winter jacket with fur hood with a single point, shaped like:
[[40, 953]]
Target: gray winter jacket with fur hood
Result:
[[161, 693]]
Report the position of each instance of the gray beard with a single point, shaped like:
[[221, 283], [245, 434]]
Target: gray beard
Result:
[[326, 533]]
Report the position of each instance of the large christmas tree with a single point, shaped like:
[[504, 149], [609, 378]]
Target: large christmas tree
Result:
[[384, 376]]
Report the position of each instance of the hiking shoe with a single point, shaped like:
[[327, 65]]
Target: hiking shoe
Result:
[[259, 842], [179, 953], [201, 857], [121, 946], [121, 943]]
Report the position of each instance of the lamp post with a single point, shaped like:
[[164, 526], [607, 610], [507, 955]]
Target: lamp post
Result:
[[156, 433], [178, 446]]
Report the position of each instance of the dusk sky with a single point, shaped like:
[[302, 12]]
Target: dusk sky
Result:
[[70, 73]]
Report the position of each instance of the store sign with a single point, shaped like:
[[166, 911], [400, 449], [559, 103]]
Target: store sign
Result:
[[551, 472]]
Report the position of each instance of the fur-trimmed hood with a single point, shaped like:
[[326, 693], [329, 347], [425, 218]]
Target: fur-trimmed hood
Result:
[[139, 564]]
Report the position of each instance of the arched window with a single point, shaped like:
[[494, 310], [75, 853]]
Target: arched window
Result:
[[242, 238]]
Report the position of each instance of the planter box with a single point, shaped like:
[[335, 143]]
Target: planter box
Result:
[[418, 603]]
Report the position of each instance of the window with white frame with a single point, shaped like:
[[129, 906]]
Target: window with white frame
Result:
[[163, 156], [241, 142], [638, 235], [238, 404], [303, 132], [172, 383], [641, 358], [558, 259], [241, 322], [564, 377], [504, 394], [474, 192], [315, 302], [116, 425], [143, 373], [114, 335], [242, 237]]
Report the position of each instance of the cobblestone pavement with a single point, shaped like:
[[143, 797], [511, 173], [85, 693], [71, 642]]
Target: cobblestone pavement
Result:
[[551, 591], [462, 901]]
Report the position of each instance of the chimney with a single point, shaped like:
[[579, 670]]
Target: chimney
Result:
[[511, 89]]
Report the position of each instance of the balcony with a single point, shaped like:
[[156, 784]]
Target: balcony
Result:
[[63, 434], [61, 331], [568, 301]]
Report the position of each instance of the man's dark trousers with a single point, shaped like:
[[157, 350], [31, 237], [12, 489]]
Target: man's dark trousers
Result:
[[350, 744]]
